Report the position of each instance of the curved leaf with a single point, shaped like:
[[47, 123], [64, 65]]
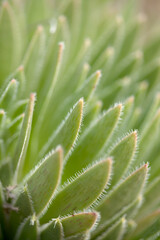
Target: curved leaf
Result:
[[80, 193], [66, 134], [92, 142], [131, 187], [78, 223], [52, 231], [122, 154], [44, 180], [116, 231], [18, 161], [27, 230]]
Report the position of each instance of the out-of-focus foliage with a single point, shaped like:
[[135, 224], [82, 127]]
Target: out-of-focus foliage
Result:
[[79, 121]]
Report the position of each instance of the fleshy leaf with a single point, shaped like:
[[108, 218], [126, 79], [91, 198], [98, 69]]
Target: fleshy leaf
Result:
[[10, 44], [44, 180], [34, 55], [89, 86], [67, 133], [24, 207], [5, 173], [92, 142], [150, 203], [131, 187], [9, 94], [150, 132], [2, 217], [27, 230], [80, 193], [122, 154], [78, 223], [18, 161], [116, 231], [147, 226], [52, 231], [79, 237]]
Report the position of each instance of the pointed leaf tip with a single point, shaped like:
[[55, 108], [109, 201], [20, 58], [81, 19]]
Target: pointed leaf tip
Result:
[[20, 154], [78, 223], [44, 180], [92, 141], [81, 192], [67, 133], [52, 231], [123, 153], [125, 193]]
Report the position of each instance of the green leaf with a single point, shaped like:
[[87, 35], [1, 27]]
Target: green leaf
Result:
[[149, 138], [92, 113], [52, 231], [127, 112], [44, 180], [92, 141], [81, 192], [36, 11], [2, 217], [151, 198], [123, 154], [131, 187], [133, 208], [116, 231], [18, 161], [5, 173], [9, 94], [10, 41], [80, 237], [89, 86], [147, 226], [129, 211], [27, 230], [67, 133], [131, 226], [78, 223], [35, 55], [24, 207]]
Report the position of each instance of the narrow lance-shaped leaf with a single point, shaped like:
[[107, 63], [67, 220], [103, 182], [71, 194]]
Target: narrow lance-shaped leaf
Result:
[[5, 173], [89, 86], [116, 232], [93, 113], [34, 56], [28, 229], [80, 193], [92, 141], [147, 226], [18, 161], [122, 154], [9, 94], [150, 203], [131, 187], [67, 133], [129, 210], [23, 208], [149, 138], [10, 41], [80, 237], [127, 112], [52, 231], [131, 226], [44, 180], [134, 207], [2, 217], [78, 223], [86, 91]]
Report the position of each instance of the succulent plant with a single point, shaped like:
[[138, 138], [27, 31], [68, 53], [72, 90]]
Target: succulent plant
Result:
[[79, 121]]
